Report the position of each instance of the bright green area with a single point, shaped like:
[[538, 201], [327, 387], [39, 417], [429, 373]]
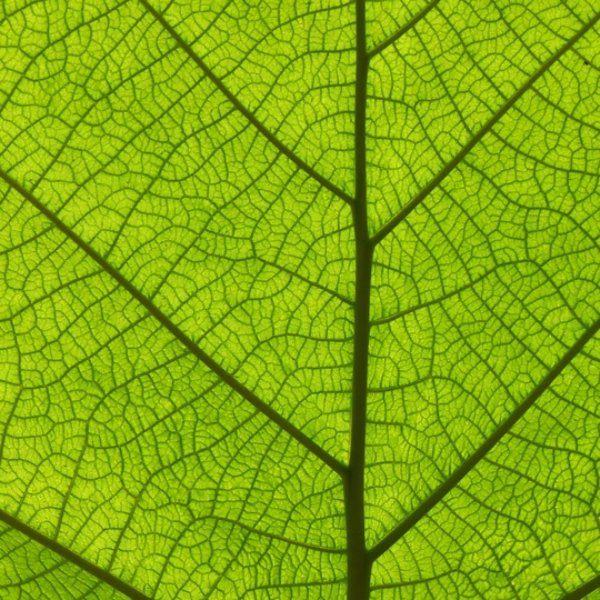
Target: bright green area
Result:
[[177, 291]]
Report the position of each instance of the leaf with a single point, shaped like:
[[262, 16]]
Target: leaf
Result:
[[299, 300]]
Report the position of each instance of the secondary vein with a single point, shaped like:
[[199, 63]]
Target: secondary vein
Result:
[[468, 465], [326, 183], [449, 166], [73, 557], [226, 377], [404, 29]]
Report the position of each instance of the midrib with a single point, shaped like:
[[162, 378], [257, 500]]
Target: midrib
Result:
[[359, 564]]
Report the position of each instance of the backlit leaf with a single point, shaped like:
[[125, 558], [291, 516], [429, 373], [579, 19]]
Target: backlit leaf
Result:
[[298, 299]]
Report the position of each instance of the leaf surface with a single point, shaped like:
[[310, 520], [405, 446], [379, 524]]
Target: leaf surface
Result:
[[299, 300]]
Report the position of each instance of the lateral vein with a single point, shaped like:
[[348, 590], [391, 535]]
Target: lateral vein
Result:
[[73, 557], [449, 167], [403, 30], [468, 465], [226, 377], [582, 591], [304, 166]]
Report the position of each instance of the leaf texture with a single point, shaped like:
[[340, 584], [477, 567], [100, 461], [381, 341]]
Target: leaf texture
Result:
[[299, 300]]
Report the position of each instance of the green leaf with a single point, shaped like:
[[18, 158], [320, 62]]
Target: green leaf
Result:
[[299, 299]]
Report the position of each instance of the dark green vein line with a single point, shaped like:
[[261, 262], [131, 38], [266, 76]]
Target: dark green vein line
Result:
[[440, 492], [412, 582], [439, 300], [310, 282], [226, 377], [581, 592], [359, 565], [404, 29], [72, 557], [273, 536], [244, 111], [447, 169]]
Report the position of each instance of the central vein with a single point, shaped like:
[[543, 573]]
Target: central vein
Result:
[[359, 565]]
